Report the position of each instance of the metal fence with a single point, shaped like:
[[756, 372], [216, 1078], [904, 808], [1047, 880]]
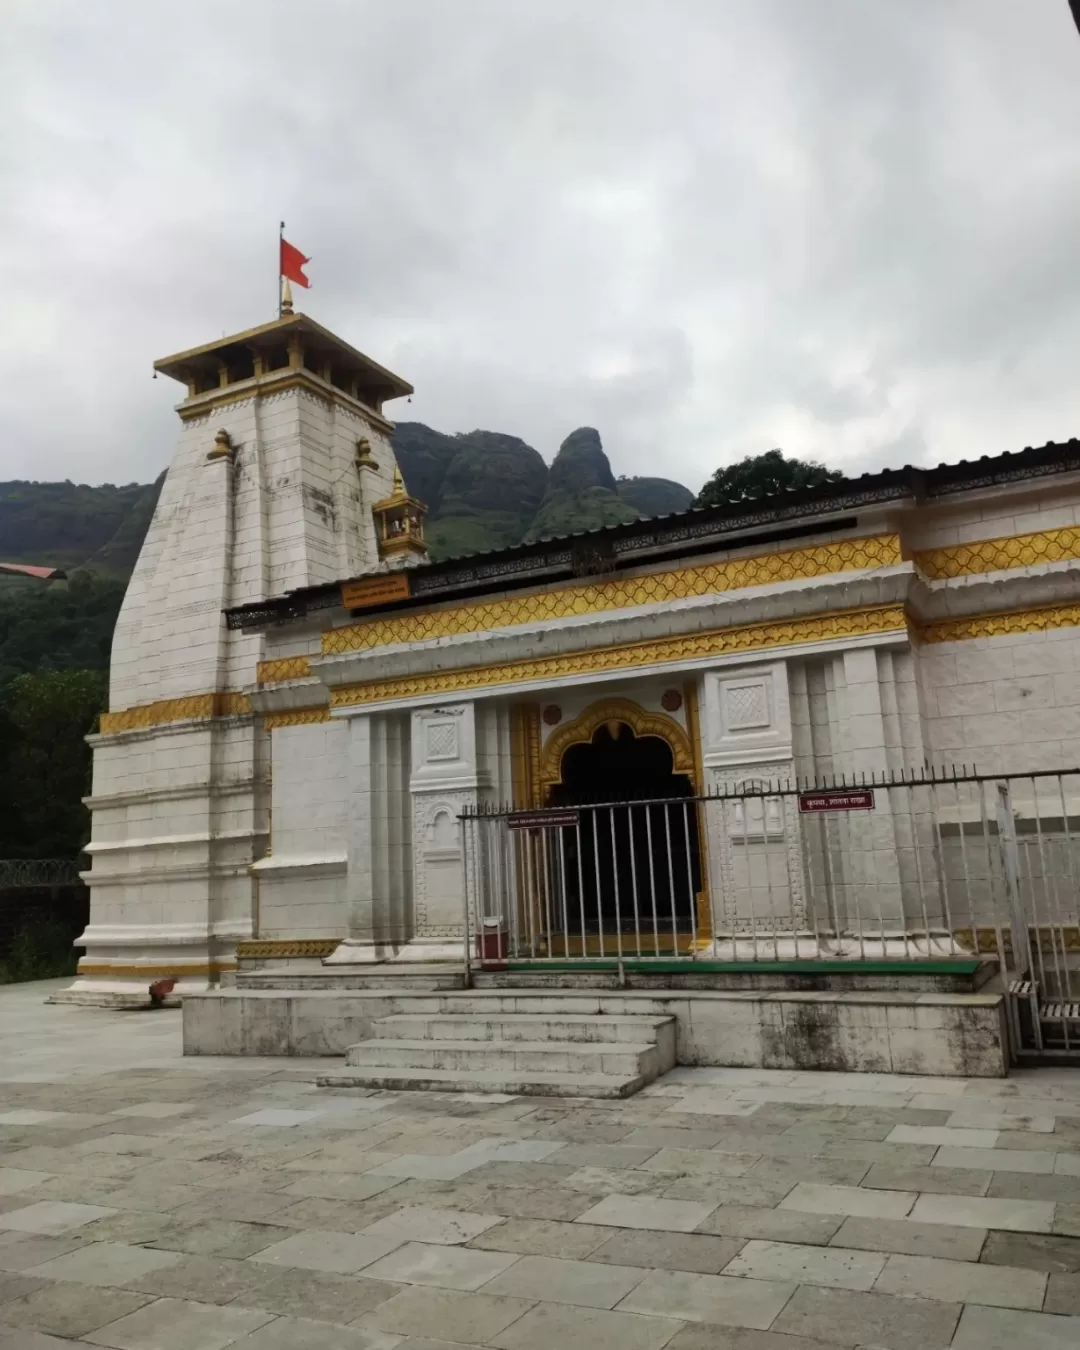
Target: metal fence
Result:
[[26, 872], [924, 864]]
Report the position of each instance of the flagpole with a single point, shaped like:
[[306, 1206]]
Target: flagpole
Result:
[[281, 236]]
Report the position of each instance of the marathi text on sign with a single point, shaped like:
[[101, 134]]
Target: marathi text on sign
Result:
[[375, 590], [836, 801], [539, 820]]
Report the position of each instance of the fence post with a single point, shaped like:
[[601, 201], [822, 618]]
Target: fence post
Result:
[[1010, 866], [464, 823]]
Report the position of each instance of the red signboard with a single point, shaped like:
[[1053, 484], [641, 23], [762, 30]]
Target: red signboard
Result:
[[541, 820], [837, 799]]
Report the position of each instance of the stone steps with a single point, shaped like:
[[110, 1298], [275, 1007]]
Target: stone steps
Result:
[[532, 1084], [517, 1026], [402, 978], [519, 1056], [558, 1054]]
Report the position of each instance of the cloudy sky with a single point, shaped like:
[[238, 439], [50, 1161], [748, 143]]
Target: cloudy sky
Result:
[[850, 228]]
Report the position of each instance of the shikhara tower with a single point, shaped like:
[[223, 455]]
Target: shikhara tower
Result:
[[284, 451]]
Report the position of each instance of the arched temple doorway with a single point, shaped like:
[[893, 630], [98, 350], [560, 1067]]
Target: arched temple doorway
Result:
[[628, 865], [633, 864]]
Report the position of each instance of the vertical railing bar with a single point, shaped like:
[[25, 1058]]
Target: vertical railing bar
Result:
[[467, 952], [991, 878], [690, 878], [1032, 923], [807, 860], [1075, 916], [868, 858], [968, 893], [487, 833], [514, 874], [857, 867], [652, 881], [633, 876], [906, 794], [581, 887], [919, 868], [831, 897], [1053, 911], [1046, 901], [615, 879], [562, 894], [943, 881], [544, 869], [671, 877], [749, 875], [1024, 962], [599, 893], [543, 925], [768, 877], [531, 889]]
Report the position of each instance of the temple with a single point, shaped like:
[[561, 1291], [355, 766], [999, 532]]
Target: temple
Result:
[[322, 749]]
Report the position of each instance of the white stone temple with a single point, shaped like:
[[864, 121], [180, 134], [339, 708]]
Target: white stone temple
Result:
[[302, 704]]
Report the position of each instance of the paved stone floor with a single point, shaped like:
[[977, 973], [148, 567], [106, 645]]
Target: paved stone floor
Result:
[[148, 1202]]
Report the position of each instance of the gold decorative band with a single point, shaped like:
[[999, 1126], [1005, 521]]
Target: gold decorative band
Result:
[[192, 707], [984, 938], [995, 625], [847, 555], [285, 668], [180, 969], [297, 717], [996, 555], [752, 637], [279, 948]]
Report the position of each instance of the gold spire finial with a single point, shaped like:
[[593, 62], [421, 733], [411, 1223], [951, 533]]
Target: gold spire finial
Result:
[[399, 483], [286, 296]]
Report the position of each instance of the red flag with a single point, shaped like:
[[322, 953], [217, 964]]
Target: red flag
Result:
[[292, 263]]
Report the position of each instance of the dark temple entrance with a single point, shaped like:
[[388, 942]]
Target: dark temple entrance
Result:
[[628, 866]]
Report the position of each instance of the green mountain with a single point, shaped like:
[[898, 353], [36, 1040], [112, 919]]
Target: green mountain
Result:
[[72, 525], [486, 490], [481, 488]]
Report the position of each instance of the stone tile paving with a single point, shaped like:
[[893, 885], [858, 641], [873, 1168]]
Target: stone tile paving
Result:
[[148, 1202]]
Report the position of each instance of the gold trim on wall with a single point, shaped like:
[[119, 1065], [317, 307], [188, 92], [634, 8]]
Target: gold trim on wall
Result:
[[525, 754], [297, 717], [180, 969], [190, 708], [846, 555], [693, 731], [996, 555], [284, 668], [751, 637], [280, 948], [640, 721], [996, 625]]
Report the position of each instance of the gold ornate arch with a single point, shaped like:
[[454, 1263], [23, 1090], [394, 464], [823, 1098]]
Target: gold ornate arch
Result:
[[615, 710]]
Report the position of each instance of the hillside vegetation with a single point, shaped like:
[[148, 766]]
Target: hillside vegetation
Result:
[[483, 489]]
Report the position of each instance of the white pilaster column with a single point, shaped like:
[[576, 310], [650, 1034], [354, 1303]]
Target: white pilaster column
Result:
[[378, 885], [872, 899], [446, 777]]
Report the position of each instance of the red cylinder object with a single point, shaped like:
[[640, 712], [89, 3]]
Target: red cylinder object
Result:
[[491, 941]]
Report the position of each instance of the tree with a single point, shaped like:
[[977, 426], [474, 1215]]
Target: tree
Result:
[[762, 476], [45, 761]]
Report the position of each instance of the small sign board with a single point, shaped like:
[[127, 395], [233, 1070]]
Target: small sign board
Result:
[[542, 820], [837, 799], [377, 590]]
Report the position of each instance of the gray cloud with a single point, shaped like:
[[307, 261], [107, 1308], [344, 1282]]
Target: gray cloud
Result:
[[706, 227]]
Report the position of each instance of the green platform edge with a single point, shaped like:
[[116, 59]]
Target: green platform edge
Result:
[[659, 966]]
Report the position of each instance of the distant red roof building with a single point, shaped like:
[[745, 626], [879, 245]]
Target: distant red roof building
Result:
[[42, 573]]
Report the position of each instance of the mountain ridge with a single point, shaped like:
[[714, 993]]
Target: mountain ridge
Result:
[[484, 490]]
